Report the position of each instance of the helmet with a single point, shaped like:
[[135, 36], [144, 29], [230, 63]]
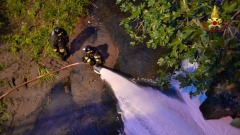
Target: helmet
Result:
[[89, 48], [57, 30]]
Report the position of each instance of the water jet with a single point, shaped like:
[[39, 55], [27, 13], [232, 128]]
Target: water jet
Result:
[[146, 111]]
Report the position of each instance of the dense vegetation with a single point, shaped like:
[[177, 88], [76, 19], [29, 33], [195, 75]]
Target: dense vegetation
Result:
[[183, 28], [32, 21]]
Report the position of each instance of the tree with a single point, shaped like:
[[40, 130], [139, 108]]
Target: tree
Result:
[[198, 30]]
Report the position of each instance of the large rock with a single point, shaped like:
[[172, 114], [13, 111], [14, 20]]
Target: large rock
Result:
[[223, 100]]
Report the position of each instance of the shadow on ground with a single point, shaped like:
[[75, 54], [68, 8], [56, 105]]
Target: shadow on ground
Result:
[[103, 49], [61, 115], [75, 45]]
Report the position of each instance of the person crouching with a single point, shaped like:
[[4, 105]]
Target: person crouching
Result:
[[93, 56]]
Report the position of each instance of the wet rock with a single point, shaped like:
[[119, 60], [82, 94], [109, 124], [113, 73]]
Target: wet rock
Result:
[[236, 122], [223, 100]]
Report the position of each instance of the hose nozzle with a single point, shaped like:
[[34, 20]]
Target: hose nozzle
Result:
[[97, 69]]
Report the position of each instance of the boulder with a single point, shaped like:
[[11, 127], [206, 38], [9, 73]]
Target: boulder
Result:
[[223, 100]]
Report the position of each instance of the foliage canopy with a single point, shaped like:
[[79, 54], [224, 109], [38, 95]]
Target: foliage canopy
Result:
[[181, 28]]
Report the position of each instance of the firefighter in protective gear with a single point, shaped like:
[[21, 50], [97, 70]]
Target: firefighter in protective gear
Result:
[[59, 42], [93, 56], [98, 59]]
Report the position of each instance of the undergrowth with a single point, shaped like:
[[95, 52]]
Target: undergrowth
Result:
[[49, 78], [32, 21]]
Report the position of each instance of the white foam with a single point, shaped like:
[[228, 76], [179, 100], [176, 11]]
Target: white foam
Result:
[[149, 112]]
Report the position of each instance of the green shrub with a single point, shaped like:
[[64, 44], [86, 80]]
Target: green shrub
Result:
[[179, 27]]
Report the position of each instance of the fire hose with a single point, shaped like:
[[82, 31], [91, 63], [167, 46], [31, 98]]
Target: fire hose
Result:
[[34, 79]]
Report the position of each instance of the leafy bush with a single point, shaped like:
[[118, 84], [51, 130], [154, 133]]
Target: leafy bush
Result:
[[181, 28], [32, 22]]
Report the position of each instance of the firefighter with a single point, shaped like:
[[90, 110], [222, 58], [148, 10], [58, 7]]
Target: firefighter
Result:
[[92, 56], [59, 42]]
